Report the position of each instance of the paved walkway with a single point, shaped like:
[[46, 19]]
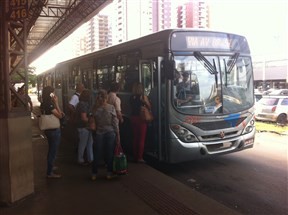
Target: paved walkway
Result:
[[143, 191]]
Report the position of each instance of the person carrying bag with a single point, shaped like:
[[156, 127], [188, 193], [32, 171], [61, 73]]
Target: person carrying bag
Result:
[[138, 102], [49, 122]]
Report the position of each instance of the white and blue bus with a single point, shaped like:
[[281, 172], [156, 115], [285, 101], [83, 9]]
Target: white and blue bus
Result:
[[212, 114]]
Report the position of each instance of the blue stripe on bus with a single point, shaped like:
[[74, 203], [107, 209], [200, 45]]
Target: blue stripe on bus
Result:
[[232, 119]]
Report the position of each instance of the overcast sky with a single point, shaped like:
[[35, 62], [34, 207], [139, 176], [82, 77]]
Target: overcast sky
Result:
[[263, 22]]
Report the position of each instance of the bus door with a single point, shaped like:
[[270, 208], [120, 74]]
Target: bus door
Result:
[[150, 78]]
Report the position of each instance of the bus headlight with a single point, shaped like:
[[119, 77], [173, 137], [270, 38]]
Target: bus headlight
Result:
[[249, 127], [183, 134]]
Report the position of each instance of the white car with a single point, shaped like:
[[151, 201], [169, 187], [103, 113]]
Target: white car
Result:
[[280, 92], [272, 108]]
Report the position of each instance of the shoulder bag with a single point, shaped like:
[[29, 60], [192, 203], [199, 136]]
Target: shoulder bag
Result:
[[48, 122], [146, 114]]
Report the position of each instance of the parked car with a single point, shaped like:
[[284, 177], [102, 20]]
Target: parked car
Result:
[[267, 92], [279, 92], [272, 108], [258, 96]]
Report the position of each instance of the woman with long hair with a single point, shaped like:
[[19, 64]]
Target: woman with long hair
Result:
[[137, 100], [107, 131], [49, 106]]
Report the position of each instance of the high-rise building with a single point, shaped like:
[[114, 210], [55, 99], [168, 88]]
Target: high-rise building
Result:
[[98, 35], [161, 15], [132, 19], [193, 14]]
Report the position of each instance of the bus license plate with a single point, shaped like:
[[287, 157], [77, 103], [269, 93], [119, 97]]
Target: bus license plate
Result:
[[226, 145]]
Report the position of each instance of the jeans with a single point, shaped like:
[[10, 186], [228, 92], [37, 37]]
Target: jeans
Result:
[[85, 141], [54, 139], [104, 143]]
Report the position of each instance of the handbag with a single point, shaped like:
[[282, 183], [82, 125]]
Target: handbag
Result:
[[119, 161], [48, 122], [146, 114]]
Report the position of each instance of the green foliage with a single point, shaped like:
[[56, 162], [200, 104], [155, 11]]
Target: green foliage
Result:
[[19, 77], [270, 126]]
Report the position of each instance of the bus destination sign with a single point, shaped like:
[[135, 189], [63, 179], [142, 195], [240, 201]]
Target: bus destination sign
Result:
[[204, 42], [18, 9], [208, 41]]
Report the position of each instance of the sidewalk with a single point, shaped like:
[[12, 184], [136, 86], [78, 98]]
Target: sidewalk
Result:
[[143, 191]]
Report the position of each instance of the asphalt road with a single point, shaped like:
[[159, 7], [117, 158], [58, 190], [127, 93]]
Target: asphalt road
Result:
[[254, 181]]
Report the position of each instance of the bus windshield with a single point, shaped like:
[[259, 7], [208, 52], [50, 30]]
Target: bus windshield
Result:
[[212, 84]]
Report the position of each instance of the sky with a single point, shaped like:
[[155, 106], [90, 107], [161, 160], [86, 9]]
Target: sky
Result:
[[263, 22]]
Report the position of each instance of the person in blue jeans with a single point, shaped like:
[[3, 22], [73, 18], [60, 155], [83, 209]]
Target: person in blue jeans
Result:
[[83, 112], [49, 106], [106, 134]]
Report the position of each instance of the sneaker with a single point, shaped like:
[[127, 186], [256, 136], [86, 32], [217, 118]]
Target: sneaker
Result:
[[141, 161], [93, 177], [110, 176], [53, 175]]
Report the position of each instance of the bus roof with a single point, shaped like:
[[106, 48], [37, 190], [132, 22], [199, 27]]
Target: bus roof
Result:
[[156, 37]]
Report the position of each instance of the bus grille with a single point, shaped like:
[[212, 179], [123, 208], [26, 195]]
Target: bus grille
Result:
[[217, 136]]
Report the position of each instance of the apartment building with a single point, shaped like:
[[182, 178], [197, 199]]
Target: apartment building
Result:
[[132, 19], [193, 14], [161, 15], [98, 33]]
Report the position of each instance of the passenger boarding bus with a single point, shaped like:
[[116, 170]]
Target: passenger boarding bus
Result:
[[200, 84]]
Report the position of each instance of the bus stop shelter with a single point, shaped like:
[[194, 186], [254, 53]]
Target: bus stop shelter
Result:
[[28, 28]]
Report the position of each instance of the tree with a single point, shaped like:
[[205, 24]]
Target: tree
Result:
[[19, 76]]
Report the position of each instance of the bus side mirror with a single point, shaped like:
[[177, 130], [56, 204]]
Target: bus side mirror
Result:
[[169, 67]]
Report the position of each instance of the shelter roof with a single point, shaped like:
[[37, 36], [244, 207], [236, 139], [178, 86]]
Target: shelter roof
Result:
[[50, 21]]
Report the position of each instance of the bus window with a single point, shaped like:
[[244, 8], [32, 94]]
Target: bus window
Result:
[[204, 81], [75, 77], [146, 76], [87, 78], [127, 70], [236, 82], [48, 80], [102, 78], [58, 80]]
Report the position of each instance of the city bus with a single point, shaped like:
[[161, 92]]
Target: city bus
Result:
[[217, 69]]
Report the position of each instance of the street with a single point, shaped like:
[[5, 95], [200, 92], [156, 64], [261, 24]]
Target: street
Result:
[[253, 181]]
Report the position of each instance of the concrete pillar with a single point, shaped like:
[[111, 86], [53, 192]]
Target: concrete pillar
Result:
[[16, 159]]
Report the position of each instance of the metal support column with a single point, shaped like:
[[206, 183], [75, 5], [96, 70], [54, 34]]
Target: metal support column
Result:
[[16, 154]]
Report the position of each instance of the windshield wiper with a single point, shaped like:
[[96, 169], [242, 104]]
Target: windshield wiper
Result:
[[215, 74], [231, 62], [211, 69]]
